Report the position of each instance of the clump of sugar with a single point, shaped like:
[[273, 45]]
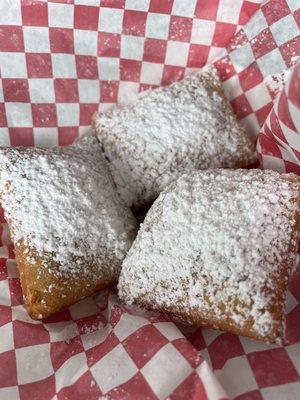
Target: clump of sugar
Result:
[[168, 131], [213, 237], [63, 204]]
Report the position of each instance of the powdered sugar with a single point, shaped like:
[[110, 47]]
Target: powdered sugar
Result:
[[216, 237], [168, 131], [62, 203]]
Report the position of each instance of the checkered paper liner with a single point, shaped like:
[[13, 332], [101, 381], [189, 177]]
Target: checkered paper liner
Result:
[[58, 61]]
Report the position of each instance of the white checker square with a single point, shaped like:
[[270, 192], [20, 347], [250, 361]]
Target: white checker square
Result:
[[3, 252], [284, 29], [61, 15], [18, 115], [275, 163], [215, 53], [45, 137], [19, 313], [41, 90], [251, 346], [89, 91], [104, 107], [293, 4], [64, 65], [232, 87], [121, 369], [258, 96], [294, 354], [4, 137], [85, 42], [72, 369], [295, 115], [88, 2], [11, 393], [67, 114], [166, 370], [210, 335], [36, 39], [13, 65], [110, 20], [255, 25], [250, 123], [93, 339], [128, 92], [151, 73], [39, 356], [129, 324], [7, 338], [203, 31], [228, 378], [213, 388], [83, 308], [12, 269], [184, 8], [85, 130], [291, 301], [137, 5], [10, 13], [157, 26], [227, 12], [169, 330], [271, 63], [132, 47], [288, 391], [109, 68], [1, 92], [242, 57], [177, 53]]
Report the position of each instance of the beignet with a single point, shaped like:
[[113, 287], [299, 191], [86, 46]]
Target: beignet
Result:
[[216, 249]]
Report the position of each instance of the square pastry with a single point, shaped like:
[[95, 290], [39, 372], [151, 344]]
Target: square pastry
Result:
[[217, 249], [171, 130], [69, 226]]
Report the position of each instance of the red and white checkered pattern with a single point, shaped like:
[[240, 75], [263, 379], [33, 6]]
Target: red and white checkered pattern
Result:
[[59, 60]]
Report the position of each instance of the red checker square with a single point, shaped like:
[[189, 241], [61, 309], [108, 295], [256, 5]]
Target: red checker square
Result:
[[143, 344], [196, 339], [279, 370], [276, 128], [21, 136], [60, 316], [113, 3], [180, 28], [136, 388], [97, 352], [225, 68], [43, 389], [224, 347], [155, 50], [269, 146], [198, 55], [172, 74], [291, 167], [188, 351], [289, 49], [39, 65], [16, 293], [241, 106], [67, 135], [263, 112], [161, 7], [130, 70], [11, 38], [248, 9], [109, 91], [237, 41], [223, 33], [145, 86], [5, 315], [253, 395], [3, 121], [44, 115], [191, 388], [115, 315], [207, 9], [8, 376], [66, 90], [61, 40], [250, 77], [35, 13], [293, 318], [62, 351], [16, 90], [91, 323], [283, 110], [294, 285], [134, 22], [11, 253], [86, 113], [109, 44], [275, 11], [86, 67], [26, 334], [297, 17], [86, 17], [263, 43], [84, 388], [3, 271]]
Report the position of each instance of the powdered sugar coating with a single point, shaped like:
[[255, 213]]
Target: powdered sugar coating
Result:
[[167, 131], [212, 238], [63, 204]]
